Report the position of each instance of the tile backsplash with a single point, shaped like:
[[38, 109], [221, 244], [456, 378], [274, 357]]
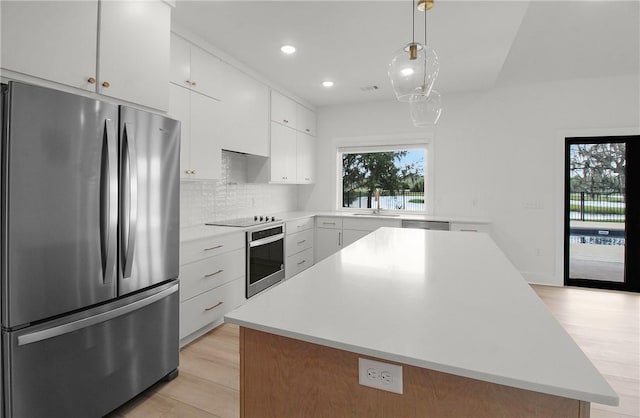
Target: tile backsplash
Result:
[[231, 196]]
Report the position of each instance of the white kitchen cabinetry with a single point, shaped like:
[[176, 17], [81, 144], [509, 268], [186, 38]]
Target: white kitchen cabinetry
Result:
[[134, 51], [283, 110], [212, 282], [283, 154], [299, 246], [244, 122], [469, 227], [58, 42], [55, 41], [335, 233], [245, 126], [305, 163], [305, 120], [354, 229], [200, 151], [196, 69], [328, 236]]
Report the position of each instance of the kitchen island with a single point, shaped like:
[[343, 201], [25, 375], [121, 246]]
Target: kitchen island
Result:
[[473, 339]]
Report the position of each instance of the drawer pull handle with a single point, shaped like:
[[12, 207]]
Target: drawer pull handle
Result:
[[469, 230], [213, 307], [214, 273], [328, 223], [302, 262], [302, 242], [213, 248]]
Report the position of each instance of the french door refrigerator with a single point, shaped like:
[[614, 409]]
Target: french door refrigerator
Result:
[[89, 257]]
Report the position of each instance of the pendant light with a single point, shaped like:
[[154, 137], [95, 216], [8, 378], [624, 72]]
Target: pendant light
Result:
[[414, 68], [425, 105], [426, 110]]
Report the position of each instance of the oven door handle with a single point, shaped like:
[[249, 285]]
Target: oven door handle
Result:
[[267, 240]]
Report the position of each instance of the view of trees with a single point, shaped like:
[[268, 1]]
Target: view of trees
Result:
[[383, 170], [598, 168]]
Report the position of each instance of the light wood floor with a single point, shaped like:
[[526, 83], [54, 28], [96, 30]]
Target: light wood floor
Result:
[[606, 325]]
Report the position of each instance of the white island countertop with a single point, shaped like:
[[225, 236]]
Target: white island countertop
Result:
[[446, 301]]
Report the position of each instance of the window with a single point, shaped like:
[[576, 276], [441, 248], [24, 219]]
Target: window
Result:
[[395, 174]]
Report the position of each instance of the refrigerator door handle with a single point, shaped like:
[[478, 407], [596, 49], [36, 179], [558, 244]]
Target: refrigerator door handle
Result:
[[109, 202], [130, 200], [93, 320]]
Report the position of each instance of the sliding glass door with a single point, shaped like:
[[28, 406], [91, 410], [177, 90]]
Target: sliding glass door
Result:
[[602, 212]]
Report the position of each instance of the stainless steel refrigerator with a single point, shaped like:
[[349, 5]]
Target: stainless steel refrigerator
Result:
[[89, 257]]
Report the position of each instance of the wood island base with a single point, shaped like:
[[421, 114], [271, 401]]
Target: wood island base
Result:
[[282, 377]]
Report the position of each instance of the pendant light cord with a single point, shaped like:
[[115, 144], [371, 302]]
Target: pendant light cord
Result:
[[413, 21], [424, 81]]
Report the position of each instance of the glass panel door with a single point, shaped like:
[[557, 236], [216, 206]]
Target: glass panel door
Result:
[[597, 180]]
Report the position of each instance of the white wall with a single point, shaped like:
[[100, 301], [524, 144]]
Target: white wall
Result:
[[498, 155]]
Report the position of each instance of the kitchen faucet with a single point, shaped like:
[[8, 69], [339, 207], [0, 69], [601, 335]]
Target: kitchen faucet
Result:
[[376, 211]]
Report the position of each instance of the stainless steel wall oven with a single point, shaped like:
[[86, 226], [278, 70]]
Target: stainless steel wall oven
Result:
[[265, 258]]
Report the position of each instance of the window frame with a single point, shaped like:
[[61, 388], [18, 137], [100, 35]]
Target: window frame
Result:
[[386, 144]]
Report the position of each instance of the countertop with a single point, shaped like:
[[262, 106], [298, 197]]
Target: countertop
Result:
[[203, 231], [446, 301]]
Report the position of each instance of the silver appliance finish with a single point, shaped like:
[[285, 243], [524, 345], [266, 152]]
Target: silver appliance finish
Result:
[[90, 224], [246, 222], [433, 225], [265, 258]]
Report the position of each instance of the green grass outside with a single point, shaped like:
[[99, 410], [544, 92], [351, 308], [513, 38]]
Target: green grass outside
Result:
[[574, 207]]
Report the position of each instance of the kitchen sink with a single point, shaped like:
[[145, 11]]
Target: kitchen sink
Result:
[[389, 215]]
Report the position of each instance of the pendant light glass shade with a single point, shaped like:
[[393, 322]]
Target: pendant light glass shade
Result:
[[425, 109], [413, 70]]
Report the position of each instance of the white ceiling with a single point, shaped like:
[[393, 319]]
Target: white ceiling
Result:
[[479, 43]]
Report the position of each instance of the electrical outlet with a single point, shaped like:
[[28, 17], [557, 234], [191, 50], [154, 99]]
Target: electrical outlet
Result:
[[380, 375]]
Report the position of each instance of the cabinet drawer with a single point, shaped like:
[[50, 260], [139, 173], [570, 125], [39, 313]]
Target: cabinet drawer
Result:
[[299, 225], [298, 262], [455, 226], [195, 250], [299, 242], [370, 224], [210, 273], [210, 306], [328, 222]]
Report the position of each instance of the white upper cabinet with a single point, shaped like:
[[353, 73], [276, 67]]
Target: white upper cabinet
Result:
[[55, 41], [200, 152], [134, 51], [195, 68], [283, 154], [305, 166], [306, 120], [245, 126], [59, 41], [283, 109]]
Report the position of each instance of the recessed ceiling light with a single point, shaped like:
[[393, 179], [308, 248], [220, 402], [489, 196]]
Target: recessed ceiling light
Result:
[[328, 83], [288, 49]]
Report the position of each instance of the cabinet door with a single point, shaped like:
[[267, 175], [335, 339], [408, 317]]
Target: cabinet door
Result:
[[207, 73], [283, 109], [51, 40], [283, 154], [180, 61], [306, 120], [352, 235], [305, 167], [134, 52], [180, 109], [328, 241], [206, 152], [246, 108]]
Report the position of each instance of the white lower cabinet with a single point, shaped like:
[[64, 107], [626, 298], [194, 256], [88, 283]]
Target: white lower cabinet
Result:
[[212, 282], [209, 308], [352, 235], [299, 262], [298, 246], [469, 227]]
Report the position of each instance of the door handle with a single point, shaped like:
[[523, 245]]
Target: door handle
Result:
[[213, 307], [93, 320], [130, 199], [109, 203]]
